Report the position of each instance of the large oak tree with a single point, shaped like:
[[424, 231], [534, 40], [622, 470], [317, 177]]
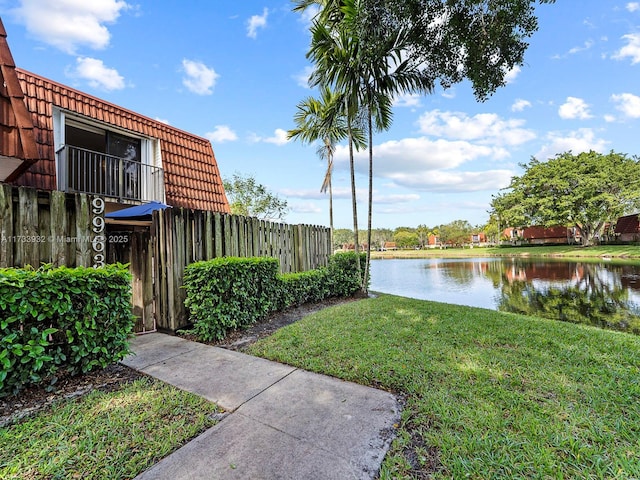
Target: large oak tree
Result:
[[585, 191]]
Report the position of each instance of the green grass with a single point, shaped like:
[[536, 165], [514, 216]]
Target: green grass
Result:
[[103, 435], [565, 251], [489, 394]]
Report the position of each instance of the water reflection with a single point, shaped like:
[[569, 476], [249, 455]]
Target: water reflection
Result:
[[603, 294]]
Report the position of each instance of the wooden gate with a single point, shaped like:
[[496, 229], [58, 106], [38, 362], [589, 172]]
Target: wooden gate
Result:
[[132, 244]]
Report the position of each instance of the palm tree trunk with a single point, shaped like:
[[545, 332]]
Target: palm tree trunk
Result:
[[354, 200], [365, 283], [330, 161]]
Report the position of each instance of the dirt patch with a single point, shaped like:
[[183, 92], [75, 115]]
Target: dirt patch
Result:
[[34, 398]]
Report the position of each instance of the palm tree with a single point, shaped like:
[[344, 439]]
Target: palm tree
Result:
[[329, 46], [323, 119], [386, 71], [369, 68]]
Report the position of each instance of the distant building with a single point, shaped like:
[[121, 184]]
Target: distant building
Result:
[[628, 228], [558, 234], [479, 239]]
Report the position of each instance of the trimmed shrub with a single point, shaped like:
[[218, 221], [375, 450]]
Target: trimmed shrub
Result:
[[299, 288], [229, 292], [343, 273], [61, 320]]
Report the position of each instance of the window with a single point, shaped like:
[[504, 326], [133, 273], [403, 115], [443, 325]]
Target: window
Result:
[[99, 159]]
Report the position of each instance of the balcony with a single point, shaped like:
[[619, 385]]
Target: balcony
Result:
[[85, 171]]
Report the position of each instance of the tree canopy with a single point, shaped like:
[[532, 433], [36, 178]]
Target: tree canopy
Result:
[[457, 232], [454, 40], [251, 199], [585, 191]]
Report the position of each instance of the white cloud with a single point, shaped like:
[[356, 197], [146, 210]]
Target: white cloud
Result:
[[407, 100], [628, 104], [256, 22], [442, 181], [199, 78], [316, 194], [609, 118], [429, 165], [306, 207], [279, 137], [512, 74], [302, 78], [582, 140], [631, 49], [97, 74], [70, 24], [572, 51], [520, 104], [587, 45], [221, 133], [394, 199], [633, 6], [415, 155], [574, 108], [483, 127], [449, 93], [307, 16]]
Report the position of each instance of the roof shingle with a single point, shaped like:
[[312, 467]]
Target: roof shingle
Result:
[[16, 129]]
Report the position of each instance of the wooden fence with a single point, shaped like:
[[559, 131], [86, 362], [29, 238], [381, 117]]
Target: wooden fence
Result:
[[180, 237], [44, 227], [39, 227]]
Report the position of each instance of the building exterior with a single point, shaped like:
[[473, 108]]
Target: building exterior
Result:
[[54, 137], [628, 228]]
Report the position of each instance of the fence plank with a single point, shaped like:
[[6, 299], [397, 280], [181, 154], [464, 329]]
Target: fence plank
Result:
[[6, 226], [218, 234], [80, 240], [27, 252], [208, 236], [58, 228]]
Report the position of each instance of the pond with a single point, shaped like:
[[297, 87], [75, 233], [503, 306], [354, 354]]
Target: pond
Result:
[[605, 294]]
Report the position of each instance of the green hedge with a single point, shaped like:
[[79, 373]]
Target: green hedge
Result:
[[231, 292], [61, 320]]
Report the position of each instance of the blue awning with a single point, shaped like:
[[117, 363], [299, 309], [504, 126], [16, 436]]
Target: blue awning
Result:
[[138, 211]]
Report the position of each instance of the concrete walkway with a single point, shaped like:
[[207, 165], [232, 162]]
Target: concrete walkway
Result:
[[283, 422]]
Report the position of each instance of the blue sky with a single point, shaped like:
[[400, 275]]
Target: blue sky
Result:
[[234, 71]]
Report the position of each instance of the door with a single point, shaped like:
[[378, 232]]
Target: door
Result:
[[132, 245]]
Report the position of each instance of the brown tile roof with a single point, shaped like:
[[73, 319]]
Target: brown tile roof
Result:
[[192, 178], [628, 224], [16, 129], [544, 232]]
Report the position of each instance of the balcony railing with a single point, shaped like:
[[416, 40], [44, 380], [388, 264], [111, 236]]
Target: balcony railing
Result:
[[81, 170]]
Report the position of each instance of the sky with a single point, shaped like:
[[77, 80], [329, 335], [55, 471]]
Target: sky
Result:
[[233, 72]]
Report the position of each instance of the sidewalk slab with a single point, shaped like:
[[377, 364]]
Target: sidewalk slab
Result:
[[286, 423], [349, 420], [239, 448], [224, 377]]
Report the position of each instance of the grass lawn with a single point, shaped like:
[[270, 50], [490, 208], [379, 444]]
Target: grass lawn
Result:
[[488, 394], [103, 435], [565, 251]]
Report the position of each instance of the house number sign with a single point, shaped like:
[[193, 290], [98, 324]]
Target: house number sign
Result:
[[97, 227]]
